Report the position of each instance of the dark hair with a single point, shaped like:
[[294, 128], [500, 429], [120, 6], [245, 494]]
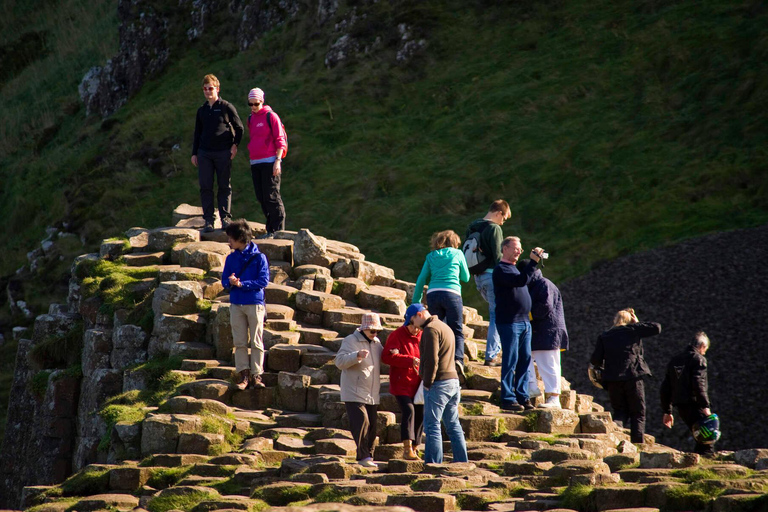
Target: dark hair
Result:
[[499, 205], [239, 230]]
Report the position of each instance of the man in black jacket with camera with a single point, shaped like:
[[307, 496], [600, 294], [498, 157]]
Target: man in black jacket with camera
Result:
[[685, 386]]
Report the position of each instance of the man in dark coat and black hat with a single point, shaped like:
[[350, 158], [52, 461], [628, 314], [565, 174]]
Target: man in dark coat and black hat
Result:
[[549, 337]]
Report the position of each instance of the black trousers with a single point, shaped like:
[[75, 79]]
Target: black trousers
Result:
[[412, 422], [218, 164], [362, 424], [628, 402], [690, 414], [267, 189]]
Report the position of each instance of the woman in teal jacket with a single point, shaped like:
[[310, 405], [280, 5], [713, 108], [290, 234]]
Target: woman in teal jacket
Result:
[[444, 270]]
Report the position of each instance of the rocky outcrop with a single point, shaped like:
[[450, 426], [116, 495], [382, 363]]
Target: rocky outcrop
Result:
[[152, 34], [287, 442]]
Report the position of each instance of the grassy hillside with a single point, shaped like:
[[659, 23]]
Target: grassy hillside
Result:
[[610, 126]]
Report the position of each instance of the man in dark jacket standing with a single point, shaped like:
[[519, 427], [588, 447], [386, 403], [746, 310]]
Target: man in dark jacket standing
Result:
[[442, 392], [491, 237], [620, 349], [218, 131], [549, 336], [685, 386]]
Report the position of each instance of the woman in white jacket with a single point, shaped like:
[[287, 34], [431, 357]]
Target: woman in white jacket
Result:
[[359, 359]]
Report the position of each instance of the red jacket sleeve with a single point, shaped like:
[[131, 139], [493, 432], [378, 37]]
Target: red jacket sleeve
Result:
[[396, 360]]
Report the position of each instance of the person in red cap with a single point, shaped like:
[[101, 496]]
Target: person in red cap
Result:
[[359, 359], [401, 353]]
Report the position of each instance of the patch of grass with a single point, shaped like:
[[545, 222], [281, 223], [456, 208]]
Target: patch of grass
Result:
[[690, 475], [330, 495], [45, 507], [576, 497], [213, 424], [59, 351], [687, 498], [629, 465], [204, 306], [531, 421], [292, 494], [124, 239], [184, 502], [468, 502], [547, 439], [500, 431], [162, 478], [39, 383], [86, 482], [474, 409], [227, 487], [114, 283]]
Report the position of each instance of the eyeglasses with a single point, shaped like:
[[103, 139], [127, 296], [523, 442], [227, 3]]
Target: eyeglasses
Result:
[[254, 104], [208, 88], [374, 331]]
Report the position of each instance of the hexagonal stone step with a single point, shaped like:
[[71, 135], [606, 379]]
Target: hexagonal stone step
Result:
[[294, 444], [191, 405], [299, 420], [192, 350], [280, 294], [343, 447], [143, 259], [107, 502], [178, 273], [423, 501], [195, 365], [204, 255], [480, 328], [280, 325], [279, 312], [213, 389], [222, 372], [315, 335]]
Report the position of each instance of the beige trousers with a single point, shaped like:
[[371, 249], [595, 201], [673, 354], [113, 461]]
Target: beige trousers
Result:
[[248, 333]]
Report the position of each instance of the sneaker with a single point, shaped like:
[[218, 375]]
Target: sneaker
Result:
[[208, 227], [368, 463], [527, 405], [256, 382], [496, 361], [244, 377], [512, 407], [460, 373], [266, 236], [553, 402]]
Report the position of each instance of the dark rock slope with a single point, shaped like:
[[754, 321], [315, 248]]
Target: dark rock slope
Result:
[[715, 283]]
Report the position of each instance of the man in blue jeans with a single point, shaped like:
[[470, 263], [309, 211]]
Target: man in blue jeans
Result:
[[442, 392], [490, 245], [513, 307]]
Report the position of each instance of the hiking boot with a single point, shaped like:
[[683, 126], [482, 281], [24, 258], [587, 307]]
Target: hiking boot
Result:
[[496, 361], [512, 407], [266, 236], [460, 372], [225, 222], [527, 405], [243, 379], [208, 227], [256, 382]]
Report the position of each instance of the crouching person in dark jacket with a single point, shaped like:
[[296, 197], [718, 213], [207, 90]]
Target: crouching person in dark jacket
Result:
[[620, 351], [685, 386]]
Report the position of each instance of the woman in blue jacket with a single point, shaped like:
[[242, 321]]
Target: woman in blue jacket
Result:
[[245, 275], [445, 269]]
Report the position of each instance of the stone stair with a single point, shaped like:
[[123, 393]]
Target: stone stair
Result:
[[219, 448]]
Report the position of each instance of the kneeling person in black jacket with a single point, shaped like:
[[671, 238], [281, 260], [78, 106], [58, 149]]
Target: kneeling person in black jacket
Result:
[[620, 351], [685, 386]]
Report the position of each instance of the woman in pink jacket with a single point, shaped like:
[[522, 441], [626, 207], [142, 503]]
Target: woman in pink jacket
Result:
[[266, 148]]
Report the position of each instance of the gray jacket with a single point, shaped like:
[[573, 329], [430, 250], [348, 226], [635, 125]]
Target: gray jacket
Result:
[[360, 381]]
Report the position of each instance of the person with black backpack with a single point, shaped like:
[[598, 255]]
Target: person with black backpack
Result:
[[267, 147], [482, 251], [218, 131]]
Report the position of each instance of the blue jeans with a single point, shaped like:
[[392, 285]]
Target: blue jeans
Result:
[[484, 284], [441, 401], [450, 309], [515, 358]]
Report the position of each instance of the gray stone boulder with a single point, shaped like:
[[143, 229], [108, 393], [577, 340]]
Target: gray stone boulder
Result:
[[219, 332], [160, 432], [309, 249], [170, 329], [177, 297], [129, 346], [317, 302], [292, 390], [204, 255], [165, 239]]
